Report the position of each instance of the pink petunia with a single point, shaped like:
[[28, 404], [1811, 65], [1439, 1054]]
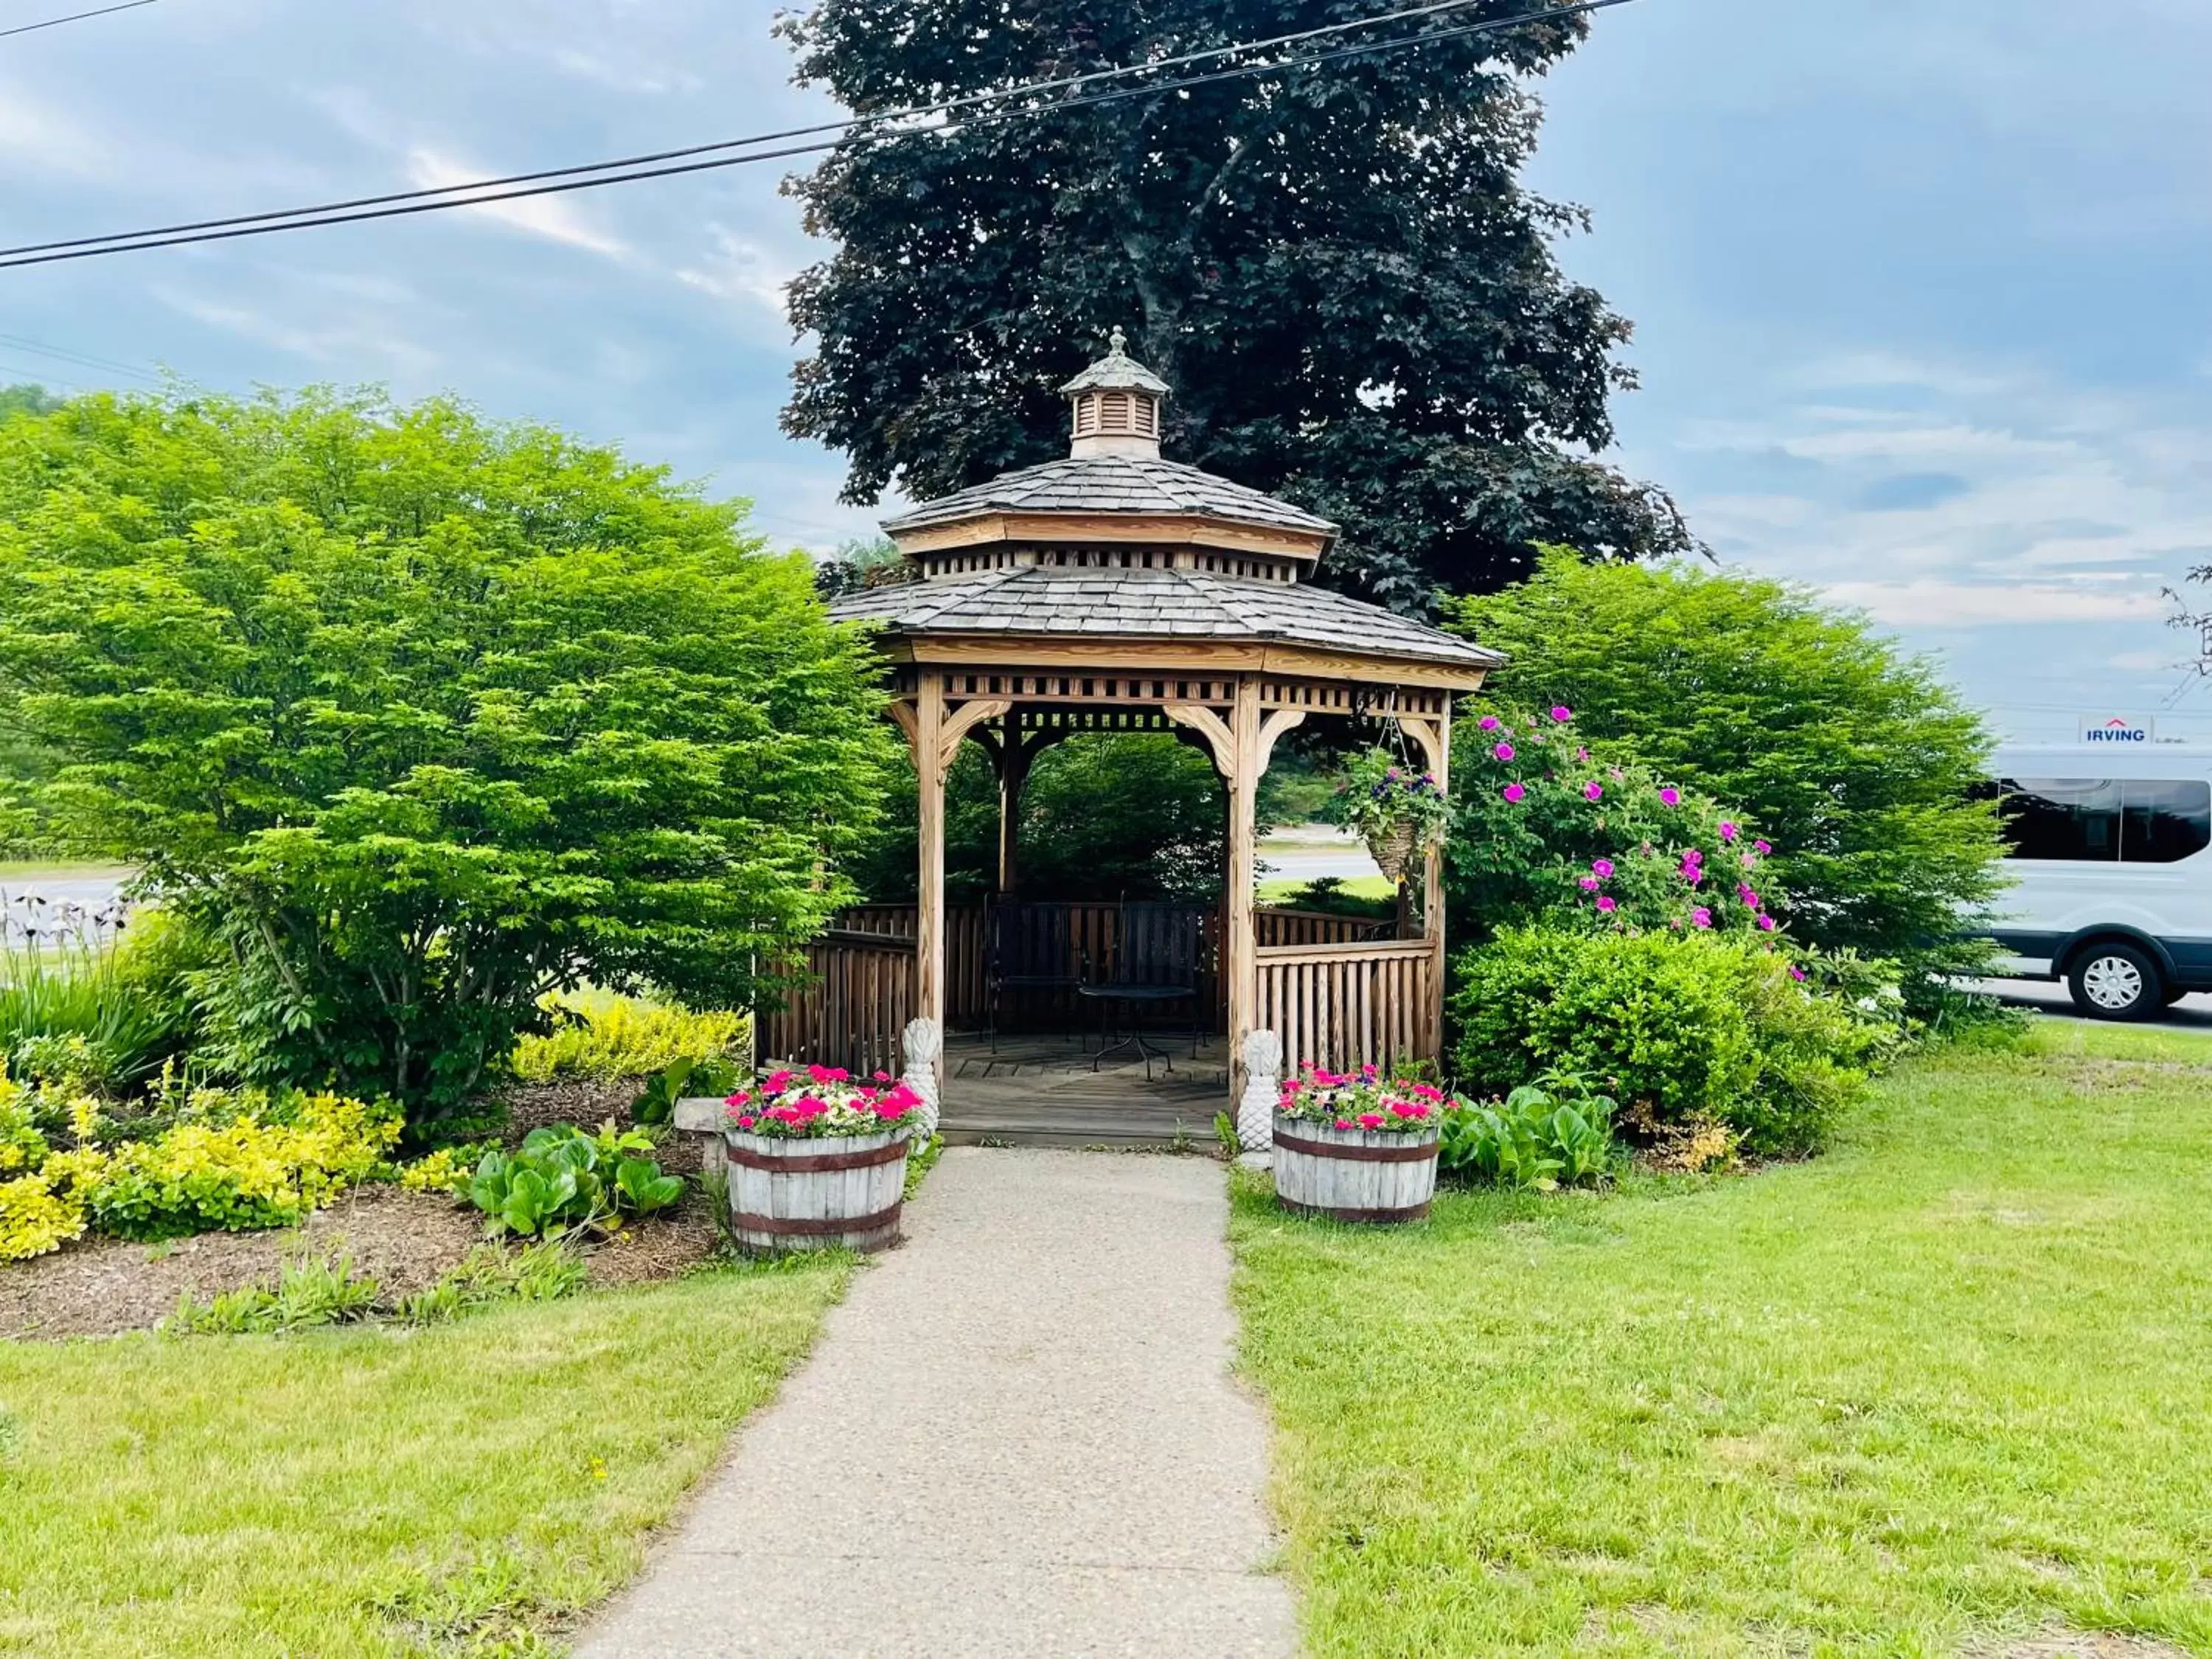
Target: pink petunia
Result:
[[1514, 792], [1344, 1123], [1593, 790], [747, 1122], [1371, 1119], [778, 1082], [740, 1098], [1503, 751]]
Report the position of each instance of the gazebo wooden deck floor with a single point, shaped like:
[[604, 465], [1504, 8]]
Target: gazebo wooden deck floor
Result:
[[1040, 1091]]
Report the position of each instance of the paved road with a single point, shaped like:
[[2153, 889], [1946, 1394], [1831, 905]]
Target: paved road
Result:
[[2192, 1012], [1018, 1437], [1312, 852]]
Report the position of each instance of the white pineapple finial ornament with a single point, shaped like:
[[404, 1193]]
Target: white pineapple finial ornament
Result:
[[1255, 1112], [924, 1042]]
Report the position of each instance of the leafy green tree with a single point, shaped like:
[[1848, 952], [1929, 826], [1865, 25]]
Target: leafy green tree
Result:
[[1852, 758], [1337, 266], [26, 400], [424, 718], [1137, 815]]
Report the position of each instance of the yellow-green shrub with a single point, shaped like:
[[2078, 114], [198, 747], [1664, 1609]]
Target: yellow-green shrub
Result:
[[35, 1218], [445, 1170], [624, 1036], [258, 1163], [21, 1147]]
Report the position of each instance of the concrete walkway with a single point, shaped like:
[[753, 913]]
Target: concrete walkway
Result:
[[1017, 1435]]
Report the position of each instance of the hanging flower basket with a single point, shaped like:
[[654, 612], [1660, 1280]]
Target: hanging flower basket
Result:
[[1396, 809], [1392, 849]]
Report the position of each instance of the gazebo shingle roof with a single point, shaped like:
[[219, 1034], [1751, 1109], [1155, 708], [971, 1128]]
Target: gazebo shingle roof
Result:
[[1050, 602], [1114, 484]]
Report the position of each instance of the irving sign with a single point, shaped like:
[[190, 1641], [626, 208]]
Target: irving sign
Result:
[[2101, 728]]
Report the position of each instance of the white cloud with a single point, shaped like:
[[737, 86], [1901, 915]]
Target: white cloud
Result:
[[735, 269], [552, 217], [1935, 604]]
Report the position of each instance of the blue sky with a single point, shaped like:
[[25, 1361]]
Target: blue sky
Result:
[[1924, 294]]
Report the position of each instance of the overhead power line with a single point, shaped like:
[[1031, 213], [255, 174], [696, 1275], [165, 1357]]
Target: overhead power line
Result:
[[891, 124], [74, 17]]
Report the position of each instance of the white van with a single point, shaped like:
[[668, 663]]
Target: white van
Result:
[[2111, 848]]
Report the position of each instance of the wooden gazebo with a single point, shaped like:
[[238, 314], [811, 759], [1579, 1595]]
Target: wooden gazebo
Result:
[[1117, 591]]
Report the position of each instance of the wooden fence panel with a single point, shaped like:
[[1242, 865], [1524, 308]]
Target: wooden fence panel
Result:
[[1343, 1007], [853, 1008]]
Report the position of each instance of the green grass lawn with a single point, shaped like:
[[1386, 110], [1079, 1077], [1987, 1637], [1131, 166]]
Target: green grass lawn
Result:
[[464, 1489], [1944, 1389], [1283, 889]]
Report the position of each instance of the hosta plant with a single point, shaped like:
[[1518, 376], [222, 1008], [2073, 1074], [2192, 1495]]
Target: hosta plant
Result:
[[561, 1178], [1364, 1099], [1550, 1133], [822, 1101]]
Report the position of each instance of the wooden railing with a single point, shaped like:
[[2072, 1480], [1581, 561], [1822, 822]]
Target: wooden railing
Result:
[[853, 1008], [1092, 929], [1350, 1004]]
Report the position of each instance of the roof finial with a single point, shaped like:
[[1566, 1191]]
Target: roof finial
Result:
[[1118, 341]]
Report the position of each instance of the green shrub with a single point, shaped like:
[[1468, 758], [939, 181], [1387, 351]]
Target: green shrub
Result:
[[610, 1036], [1548, 832], [1674, 1026], [421, 716], [235, 1163], [1855, 759], [35, 1218]]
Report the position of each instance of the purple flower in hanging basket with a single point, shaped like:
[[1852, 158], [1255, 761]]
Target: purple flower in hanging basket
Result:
[[1513, 792]]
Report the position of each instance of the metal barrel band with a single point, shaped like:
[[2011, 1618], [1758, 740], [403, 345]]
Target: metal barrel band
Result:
[[1409, 1212], [1427, 1149], [791, 1227], [819, 1163]]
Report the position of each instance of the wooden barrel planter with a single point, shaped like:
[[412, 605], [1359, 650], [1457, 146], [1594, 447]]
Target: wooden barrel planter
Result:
[[1353, 1175], [788, 1195]]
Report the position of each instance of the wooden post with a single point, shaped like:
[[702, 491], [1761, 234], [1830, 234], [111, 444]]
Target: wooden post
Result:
[[1434, 737], [929, 917], [1013, 757], [1238, 947]]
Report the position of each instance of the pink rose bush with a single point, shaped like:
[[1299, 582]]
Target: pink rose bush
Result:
[[1546, 828], [820, 1102], [1364, 1099]]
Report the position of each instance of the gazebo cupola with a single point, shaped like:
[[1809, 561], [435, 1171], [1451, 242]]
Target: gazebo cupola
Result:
[[1116, 405]]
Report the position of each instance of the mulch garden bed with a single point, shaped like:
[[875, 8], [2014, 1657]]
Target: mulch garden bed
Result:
[[403, 1241]]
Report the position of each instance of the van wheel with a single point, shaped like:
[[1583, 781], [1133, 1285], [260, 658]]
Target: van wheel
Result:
[[2116, 982]]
